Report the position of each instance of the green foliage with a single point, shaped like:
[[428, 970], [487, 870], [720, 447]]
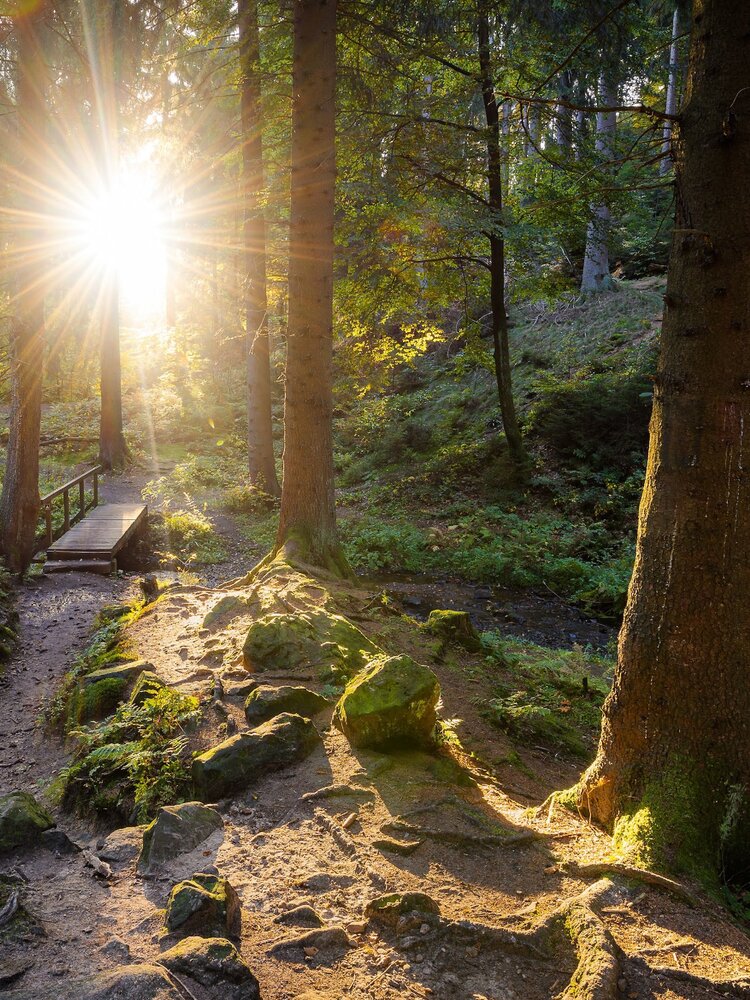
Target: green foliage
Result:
[[106, 646], [136, 761], [597, 419], [547, 696], [192, 539]]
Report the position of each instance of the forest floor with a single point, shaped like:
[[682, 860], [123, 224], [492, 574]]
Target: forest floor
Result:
[[512, 883]]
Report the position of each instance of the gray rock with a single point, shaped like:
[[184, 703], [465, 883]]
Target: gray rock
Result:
[[329, 941], [215, 964], [58, 842], [267, 701], [22, 821], [300, 916], [177, 830], [242, 759], [116, 948], [122, 845]]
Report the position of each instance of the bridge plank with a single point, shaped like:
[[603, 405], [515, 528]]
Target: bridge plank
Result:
[[103, 532]]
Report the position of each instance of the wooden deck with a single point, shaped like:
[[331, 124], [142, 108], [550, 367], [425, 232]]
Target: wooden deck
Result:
[[94, 542]]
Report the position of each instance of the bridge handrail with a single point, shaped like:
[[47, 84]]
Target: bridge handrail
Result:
[[44, 541]]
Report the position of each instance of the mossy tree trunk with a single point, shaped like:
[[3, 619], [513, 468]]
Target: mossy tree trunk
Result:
[[673, 768], [501, 349], [262, 465], [307, 526], [19, 504]]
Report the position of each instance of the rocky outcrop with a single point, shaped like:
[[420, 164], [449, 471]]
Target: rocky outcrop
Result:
[[315, 639], [242, 759], [215, 964]]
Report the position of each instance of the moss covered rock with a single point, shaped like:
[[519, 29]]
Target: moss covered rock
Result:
[[22, 821], [454, 626], [326, 642], [225, 607], [96, 700], [242, 759], [391, 703], [215, 964], [177, 830], [127, 672], [265, 702], [148, 684], [204, 904]]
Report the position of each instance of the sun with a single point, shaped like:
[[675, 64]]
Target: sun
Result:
[[123, 232]]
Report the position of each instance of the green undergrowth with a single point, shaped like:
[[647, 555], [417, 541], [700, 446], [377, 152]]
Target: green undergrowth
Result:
[[8, 617], [137, 760], [108, 645], [546, 697]]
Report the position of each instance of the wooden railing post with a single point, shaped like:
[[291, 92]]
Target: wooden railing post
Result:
[[96, 488], [66, 511], [48, 523], [82, 495]]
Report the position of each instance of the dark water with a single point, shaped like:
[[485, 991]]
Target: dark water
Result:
[[543, 618]]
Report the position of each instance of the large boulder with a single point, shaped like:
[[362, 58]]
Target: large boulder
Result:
[[390, 703], [317, 639], [204, 904], [22, 821], [264, 702], [177, 830], [215, 964], [242, 759]]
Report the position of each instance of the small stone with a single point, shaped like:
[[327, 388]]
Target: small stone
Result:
[[116, 948], [300, 916]]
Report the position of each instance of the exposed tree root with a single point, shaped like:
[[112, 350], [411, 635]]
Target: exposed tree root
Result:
[[598, 969], [600, 868], [457, 839]]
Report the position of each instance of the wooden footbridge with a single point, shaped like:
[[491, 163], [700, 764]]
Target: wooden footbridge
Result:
[[90, 536]]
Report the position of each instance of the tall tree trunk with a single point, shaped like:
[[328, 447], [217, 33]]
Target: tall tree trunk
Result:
[[261, 462], [673, 76], [673, 769], [19, 504], [596, 261], [501, 349], [113, 451], [563, 115], [307, 526]]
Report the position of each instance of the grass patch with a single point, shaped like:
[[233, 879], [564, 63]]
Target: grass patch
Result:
[[553, 697]]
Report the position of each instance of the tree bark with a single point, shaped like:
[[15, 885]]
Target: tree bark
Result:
[[595, 276], [261, 461], [673, 768], [307, 525], [19, 504], [113, 451], [672, 83], [501, 351]]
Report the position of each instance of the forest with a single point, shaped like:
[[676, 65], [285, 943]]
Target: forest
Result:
[[374, 515]]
